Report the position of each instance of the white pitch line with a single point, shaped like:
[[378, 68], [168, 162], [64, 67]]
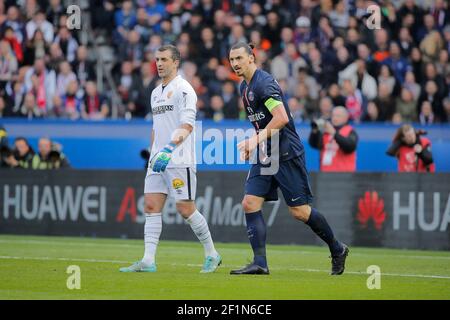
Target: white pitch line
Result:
[[95, 244], [224, 266]]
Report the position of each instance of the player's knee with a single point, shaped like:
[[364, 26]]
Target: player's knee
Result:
[[301, 213], [250, 205], [186, 209], [151, 207]]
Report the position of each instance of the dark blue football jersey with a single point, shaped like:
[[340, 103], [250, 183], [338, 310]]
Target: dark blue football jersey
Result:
[[260, 96]]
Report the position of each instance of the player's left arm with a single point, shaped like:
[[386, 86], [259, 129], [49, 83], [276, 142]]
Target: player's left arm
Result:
[[280, 119]]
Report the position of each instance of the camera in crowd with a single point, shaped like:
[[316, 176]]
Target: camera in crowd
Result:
[[318, 124], [5, 152]]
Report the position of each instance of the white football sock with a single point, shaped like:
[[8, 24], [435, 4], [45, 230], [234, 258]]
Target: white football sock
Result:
[[152, 231], [200, 227]]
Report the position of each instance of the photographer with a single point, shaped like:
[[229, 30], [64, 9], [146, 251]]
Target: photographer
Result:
[[6, 155], [412, 151], [336, 141], [49, 156], [21, 156]]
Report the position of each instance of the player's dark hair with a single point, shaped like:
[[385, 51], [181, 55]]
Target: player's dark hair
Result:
[[22, 139], [247, 46], [173, 50]]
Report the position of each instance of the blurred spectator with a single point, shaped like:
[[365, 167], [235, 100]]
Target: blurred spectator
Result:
[[396, 62], [65, 76], [230, 99], [217, 108], [35, 48], [405, 106], [412, 150], [71, 102], [427, 115], [132, 49], [303, 96], [303, 32], [334, 92], [311, 83], [141, 97], [381, 49], [372, 114], [411, 85], [337, 142], [272, 29], [325, 108], [42, 83], [432, 75], [353, 100], [102, 14], [297, 110], [67, 43], [446, 110], [126, 83], [285, 65], [14, 22], [39, 22], [385, 103], [357, 73], [54, 11], [55, 57], [5, 108], [95, 105], [125, 20], [208, 48], [8, 64], [156, 12], [430, 93], [50, 156], [29, 108], [431, 45], [405, 41], [23, 154], [143, 26], [386, 77], [83, 68], [16, 46], [167, 34]]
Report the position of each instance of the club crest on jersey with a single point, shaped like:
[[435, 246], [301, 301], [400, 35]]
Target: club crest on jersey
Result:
[[177, 183], [251, 96], [169, 94]]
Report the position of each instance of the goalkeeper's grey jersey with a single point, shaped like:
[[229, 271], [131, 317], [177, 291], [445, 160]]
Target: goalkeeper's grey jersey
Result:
[[174, 105]]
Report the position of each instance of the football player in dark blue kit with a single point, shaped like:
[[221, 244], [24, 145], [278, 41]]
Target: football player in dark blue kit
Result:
[[277, 141]]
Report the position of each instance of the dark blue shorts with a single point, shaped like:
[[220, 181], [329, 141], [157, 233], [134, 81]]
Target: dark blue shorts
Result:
[[292, 178]]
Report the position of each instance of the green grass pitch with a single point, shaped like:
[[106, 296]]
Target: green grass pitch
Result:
[[36, 268]]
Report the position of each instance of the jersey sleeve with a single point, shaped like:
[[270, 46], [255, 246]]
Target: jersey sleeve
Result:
[[188, 104], [270, 94]]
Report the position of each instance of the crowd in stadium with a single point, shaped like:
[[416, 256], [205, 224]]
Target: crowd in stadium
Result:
[[321, 52]]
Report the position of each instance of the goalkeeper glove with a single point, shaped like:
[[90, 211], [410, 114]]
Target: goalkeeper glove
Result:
[[160, 161]]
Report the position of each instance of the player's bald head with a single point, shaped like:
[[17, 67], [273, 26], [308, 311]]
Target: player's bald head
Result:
[[339, 116]]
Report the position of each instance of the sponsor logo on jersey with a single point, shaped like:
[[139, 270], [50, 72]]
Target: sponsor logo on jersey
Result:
[[177, 183], [162, 109], [256, 117]]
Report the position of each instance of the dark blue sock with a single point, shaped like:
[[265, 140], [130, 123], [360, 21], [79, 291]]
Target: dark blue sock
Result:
[[320, 226], [256, 231]]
